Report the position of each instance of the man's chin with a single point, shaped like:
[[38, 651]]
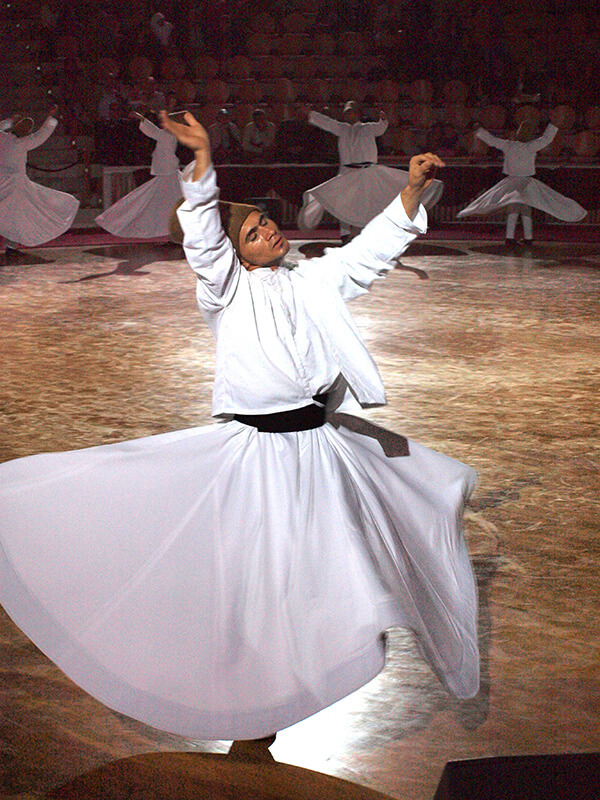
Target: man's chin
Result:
[[284, 249]]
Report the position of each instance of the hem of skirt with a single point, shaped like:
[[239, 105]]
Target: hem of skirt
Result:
[[218, 724]]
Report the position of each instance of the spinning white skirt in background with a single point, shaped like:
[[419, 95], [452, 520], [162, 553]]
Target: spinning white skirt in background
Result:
[[187, 581], [31, 214], [144, 213], [356, 195], [527, 191]]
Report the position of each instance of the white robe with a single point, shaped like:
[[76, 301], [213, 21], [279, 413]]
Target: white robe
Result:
[[224, 583], [356, 195], [144, 213], [520, 187], [30, 214]]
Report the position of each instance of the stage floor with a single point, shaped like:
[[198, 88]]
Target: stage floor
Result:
[[493, 358]]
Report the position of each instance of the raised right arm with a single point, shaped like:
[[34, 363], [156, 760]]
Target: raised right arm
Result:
[[193, 135], [325, 123], [493, 141], [208, 250]]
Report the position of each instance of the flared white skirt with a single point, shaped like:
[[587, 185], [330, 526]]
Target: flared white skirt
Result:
[[143, 213], [529, 192], [223, 583], [356, 196], [32, 214]]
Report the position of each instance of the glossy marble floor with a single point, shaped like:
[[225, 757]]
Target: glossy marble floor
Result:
[[491, 357]]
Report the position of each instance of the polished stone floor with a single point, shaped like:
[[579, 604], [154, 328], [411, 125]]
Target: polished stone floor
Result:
[[493, 358]]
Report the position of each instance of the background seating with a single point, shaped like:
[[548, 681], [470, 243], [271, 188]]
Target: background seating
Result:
[[494, 67]]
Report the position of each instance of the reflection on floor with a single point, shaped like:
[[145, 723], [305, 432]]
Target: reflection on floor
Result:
[[494, 360]]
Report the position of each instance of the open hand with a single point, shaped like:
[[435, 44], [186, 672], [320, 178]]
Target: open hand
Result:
[[191, 133]]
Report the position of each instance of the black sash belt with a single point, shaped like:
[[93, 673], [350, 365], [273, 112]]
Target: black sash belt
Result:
[[298, 419], [362, 165]]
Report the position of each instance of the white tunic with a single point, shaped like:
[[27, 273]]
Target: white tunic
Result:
[[356, 195], [164, 160], [284, 336], [30, 214], [519, 157], [224, 583], [520, 187], [356, 142], [144, 213]]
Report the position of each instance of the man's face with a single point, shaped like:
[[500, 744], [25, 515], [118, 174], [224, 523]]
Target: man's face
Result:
[[351, 115], [261, 242]]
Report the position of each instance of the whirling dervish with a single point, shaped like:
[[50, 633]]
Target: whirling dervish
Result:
[[30, 214], [519, 191], [227, 581], [362, 188], [144, 212]]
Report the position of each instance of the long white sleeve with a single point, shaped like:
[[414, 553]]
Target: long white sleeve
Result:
[[325, 123], [372, 253], [150, 129], [546, 137], [39, 137], [208, 250], [492, 141], [377, 128]]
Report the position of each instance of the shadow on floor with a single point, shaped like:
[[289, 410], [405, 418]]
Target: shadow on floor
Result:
[[164, 776], [135, 257], [23, 258]]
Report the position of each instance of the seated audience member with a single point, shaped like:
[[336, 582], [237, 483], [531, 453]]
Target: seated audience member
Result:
[[162, 30], [225, 139], [259, 136]]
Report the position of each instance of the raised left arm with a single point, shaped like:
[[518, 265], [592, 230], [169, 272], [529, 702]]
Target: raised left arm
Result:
[[44, 132], [421, 171], [149, 129], [370, 255], [546, 137], [380, 127]]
